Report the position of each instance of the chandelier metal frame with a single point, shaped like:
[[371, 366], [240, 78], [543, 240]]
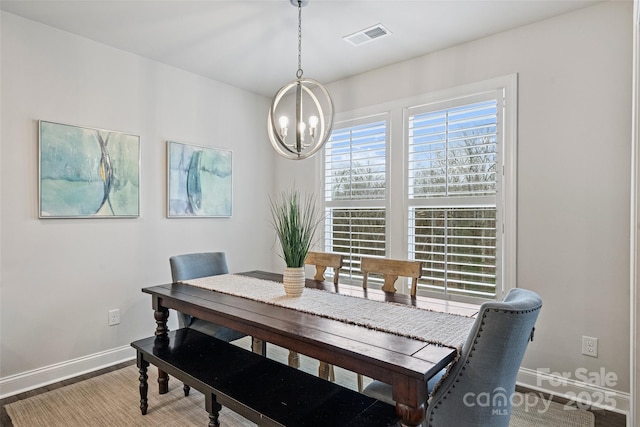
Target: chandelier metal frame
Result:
[[304, 89]]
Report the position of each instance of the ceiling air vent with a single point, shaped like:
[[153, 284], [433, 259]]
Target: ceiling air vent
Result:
[[368, 34]]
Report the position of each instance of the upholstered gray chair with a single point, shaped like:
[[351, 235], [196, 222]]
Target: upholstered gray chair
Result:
[[193, 266], [488, 364]]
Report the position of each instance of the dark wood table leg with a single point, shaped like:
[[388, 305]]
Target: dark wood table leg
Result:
[[410, 416], [144, 386], [161, 315]]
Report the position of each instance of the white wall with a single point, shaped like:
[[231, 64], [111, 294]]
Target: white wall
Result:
[[60, 277], [573, 169]]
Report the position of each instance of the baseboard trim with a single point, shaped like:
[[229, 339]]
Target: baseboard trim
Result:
[[44, 376], [577, 393]]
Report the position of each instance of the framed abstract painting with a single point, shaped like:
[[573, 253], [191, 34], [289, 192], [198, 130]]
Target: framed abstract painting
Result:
[[199, 181], [87, 173]]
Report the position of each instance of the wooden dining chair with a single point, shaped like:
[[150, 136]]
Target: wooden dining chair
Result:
[[391, 269], [322, 260]]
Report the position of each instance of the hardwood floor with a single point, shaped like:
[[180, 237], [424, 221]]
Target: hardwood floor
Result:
[[602, 418]]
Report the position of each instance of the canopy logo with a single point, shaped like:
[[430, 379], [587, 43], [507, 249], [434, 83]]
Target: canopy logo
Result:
[[500, 401]]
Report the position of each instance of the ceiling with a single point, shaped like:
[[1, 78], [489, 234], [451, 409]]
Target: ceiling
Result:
[[253, 44]]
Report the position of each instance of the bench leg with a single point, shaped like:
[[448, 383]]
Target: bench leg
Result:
[[144, 386], [186, 389], [163, 382], [213, 408], [213, 420]]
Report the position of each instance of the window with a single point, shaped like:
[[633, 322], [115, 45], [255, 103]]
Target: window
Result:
[[452, 180], [432, 179], [356, 191]]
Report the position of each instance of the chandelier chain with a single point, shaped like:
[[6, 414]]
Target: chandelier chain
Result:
[[299, 72]]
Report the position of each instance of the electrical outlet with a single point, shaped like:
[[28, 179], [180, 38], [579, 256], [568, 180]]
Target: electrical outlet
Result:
[[590, 346], [114, 317]]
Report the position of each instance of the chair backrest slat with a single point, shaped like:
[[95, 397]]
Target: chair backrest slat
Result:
[[391, 269], [322, 260]]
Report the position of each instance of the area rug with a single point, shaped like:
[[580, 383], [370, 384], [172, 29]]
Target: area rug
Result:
[[112, 400]]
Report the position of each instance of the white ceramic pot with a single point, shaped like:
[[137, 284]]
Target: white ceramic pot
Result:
[[293, 281]]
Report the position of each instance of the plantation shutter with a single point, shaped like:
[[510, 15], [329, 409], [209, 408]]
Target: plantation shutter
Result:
[[452, 183], [355, 191]]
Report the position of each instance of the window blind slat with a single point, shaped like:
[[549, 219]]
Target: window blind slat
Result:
[[355, 173]]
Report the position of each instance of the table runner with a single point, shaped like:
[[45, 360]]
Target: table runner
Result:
[[449, 330]]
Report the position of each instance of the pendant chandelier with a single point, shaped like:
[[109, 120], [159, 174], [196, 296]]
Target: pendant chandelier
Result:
[[308, 103]]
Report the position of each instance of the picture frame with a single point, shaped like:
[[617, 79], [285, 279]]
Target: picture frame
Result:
[[199, 181], [87, 172]]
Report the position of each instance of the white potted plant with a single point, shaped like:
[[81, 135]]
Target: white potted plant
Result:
[[295, 220]]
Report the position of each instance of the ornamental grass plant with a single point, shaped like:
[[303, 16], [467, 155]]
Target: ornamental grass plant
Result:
[[295, 220]]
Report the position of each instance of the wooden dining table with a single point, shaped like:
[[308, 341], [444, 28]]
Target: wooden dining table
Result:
[[403, 362]]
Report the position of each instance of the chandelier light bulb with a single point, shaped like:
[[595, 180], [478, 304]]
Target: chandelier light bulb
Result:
[[284, 122], [313, 124]]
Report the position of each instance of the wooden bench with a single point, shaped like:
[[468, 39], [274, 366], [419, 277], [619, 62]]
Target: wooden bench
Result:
[[262, 390]]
